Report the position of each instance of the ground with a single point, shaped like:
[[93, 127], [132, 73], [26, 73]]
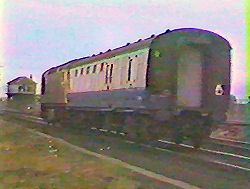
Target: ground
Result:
[[29, 161], [233, 132]]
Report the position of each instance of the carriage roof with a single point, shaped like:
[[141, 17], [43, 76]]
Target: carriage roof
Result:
[[129, 47]]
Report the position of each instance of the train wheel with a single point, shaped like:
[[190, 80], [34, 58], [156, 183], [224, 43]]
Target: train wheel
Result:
[[144, 127], [114, 121], [177, 138], [129, 126], [50, 116], [177, 124], [197, 142], [138, 127], [208, 126], [203, 130], [198, 132], [108, 121], [97, 120]]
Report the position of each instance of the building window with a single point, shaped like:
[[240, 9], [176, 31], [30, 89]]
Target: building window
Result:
[[82, 71], [102, 66], [88, 68], [129, 69], [94, 69], [21, 88], [111, 73], [76, 73]]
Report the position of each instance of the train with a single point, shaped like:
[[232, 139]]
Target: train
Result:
[[175, 84]]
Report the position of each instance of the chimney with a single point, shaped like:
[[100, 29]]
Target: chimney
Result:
[[30, 76]]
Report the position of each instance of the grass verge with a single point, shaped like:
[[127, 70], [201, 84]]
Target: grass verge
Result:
[[31, 161]]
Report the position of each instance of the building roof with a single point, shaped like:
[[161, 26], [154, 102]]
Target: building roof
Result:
[[19, 79]]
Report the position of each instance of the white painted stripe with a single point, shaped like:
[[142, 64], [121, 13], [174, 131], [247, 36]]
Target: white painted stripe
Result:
[[140, 170], [185, 145], [161, 149], [103, 130], [130, 142], [34, 117], [225, 153], [114, 132], [230, 165], [230, 140], [212, 151], [157, 148], [218, 162], [169, 142], [93, 128], [231, 145], [165, 141], [40, 122], [34, 121]]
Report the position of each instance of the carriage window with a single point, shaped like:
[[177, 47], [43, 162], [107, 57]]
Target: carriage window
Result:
[[110, 74], [68, 75], [107, 72], [76, 73], [88, 68], [129, 69], [94, 69], [102, 66], [82, 71]]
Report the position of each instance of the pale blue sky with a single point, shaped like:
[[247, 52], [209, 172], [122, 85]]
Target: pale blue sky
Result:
[[39, 34]]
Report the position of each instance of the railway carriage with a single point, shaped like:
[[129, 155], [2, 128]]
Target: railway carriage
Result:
[[174, 84]]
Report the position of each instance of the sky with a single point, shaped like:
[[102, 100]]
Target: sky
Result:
[[36, 35]]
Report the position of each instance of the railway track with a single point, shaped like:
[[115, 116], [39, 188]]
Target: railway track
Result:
[[225, 153], [208, 154]]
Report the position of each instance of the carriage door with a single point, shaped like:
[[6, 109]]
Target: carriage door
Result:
[[189, 79], [108, 76], [68, 80]]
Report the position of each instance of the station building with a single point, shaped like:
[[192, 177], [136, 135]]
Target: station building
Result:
[[21, 86]]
